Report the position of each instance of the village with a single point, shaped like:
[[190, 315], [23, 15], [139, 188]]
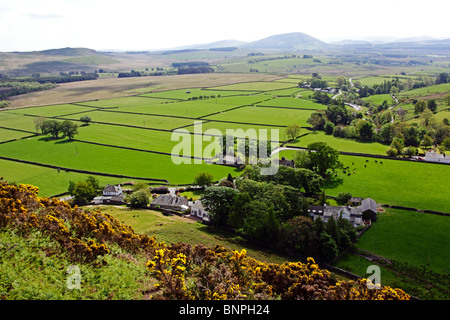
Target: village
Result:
[[358, 211]]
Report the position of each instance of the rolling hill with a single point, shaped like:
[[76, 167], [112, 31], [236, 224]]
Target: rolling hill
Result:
[[288, 42]]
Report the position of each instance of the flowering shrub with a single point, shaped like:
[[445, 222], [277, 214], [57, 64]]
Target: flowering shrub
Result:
[[183, 271]]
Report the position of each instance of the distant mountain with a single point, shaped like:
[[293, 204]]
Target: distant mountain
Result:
[[220, 44], [69, 52], [348, 42], [414, 39], [288, 42]]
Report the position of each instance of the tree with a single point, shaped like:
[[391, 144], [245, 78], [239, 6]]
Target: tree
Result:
[[219, 201], [398, 145], [442, 77], [293, 130], [239, 210], [343, 198], [261, 222], [139, 198], [309, 180], [299, 235], [426, 141], [365, 130], [329, 127], [419, 107], [427, 118], [447, 100], [412, 137], [323, 158], [95, 183], [51, 127], [317, 120], [391, 152], [38, 122], [431, 104], [328, 247], [83, 192], [337, 114], [68, 129], [302, 160], [203, 179], [385, 134], [85, 120]]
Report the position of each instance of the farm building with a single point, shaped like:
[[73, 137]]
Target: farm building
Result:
[[198, 211], [369, 209], [356, 215], [433, 156], [112, 194], [285, 162], [167, 201]]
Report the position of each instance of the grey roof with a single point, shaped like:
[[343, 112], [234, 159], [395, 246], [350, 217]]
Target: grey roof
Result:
[[368, 204], [169, 200], [111, 188], [198, 204]]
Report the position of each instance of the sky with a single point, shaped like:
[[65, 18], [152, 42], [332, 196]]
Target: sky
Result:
[[28, 25]]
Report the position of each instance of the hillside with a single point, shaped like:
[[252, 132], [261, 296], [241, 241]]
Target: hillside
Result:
[[42, 240], [288, 42]]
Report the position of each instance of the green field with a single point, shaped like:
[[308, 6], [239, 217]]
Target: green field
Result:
[[146, 122], [341, 144], [293, 103], [83, 156], [7, 134], [394, 182], [256, 86], [17, 121], [52, 111], [50, 181], [410, 239], [378, 99], [261, 115], [185, 94]]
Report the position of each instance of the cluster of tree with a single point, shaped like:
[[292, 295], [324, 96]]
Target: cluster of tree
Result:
[[4, 103], [318, 157], [420, 106], [320, 97], [190, 64], [250, 147], [204, 97], [84, 191], [132, 73], [13, 88], [135, 73], [341, 121], [54, 128], [66, 77], [442, 77], [273, 58], [199, 69], [272, 210]]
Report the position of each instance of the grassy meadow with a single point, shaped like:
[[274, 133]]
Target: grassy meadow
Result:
[[394, 182]]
